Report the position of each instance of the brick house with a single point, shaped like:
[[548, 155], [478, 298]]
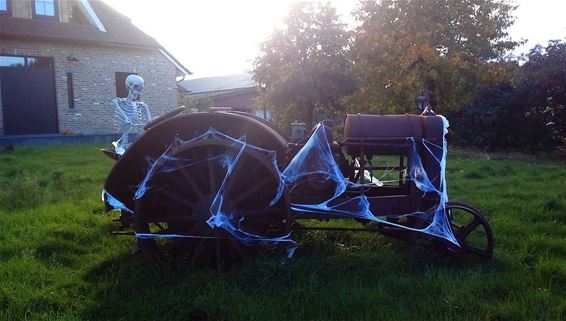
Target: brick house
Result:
[[62, 61]]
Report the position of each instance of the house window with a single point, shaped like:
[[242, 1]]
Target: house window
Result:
[[70, 92], [20, 61], [5, 7], [12, 61], [45, 9], [121, 90]]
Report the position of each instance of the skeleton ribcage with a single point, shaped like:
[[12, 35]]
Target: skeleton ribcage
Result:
[[127, 112]]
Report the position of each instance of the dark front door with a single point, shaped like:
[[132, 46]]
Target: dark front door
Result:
[[28, 100]]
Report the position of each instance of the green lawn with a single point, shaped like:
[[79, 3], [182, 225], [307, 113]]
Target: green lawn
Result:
[[58, 261]]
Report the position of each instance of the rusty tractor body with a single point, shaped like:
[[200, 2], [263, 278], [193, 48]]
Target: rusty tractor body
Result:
[[225, 184]]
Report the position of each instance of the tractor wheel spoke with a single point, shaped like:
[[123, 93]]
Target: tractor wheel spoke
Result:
[[188, 179], [258, 186], [464, 232], [176, 198], [211, 174]]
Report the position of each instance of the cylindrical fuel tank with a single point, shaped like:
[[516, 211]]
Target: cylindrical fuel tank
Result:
[[376, 132]]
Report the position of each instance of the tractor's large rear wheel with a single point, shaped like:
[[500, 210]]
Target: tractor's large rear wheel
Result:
[[209, 178]]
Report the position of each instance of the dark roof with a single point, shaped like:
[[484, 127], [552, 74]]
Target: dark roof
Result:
[[217, 94], [120, 31], [221, 83]]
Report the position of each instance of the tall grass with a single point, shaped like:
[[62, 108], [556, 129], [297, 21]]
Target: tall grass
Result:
[[58, 261]]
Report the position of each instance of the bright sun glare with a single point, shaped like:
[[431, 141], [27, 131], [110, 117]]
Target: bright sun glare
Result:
[[220, 37]]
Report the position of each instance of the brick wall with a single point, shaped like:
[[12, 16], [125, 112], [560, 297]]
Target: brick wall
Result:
[[94, 81]]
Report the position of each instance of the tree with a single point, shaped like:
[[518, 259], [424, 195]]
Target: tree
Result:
[[541, 96], [446, 47], [304, 67], [488, 121], [529, 116]]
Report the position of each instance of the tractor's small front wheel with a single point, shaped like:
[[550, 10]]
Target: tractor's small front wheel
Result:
[[471, 229]]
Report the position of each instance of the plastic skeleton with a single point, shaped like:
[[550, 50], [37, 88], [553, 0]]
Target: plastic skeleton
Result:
[[129, 118]]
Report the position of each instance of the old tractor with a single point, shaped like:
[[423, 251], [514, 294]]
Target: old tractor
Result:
[[225, 185]]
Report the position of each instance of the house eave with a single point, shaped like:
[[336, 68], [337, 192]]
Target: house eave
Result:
[[175, 62], [65, 40]]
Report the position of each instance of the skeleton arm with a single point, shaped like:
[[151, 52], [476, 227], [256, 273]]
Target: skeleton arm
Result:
[[147, 113], [124, 118]]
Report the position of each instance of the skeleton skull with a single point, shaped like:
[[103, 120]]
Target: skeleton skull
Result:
[[134, 84]]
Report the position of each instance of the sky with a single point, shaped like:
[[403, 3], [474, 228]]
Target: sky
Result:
[[222, 37]]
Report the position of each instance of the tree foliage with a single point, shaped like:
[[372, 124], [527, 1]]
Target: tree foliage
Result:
[[447, 47], [456, 50], [305, 65], [487, 121], [531, 115], [541, 93]]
